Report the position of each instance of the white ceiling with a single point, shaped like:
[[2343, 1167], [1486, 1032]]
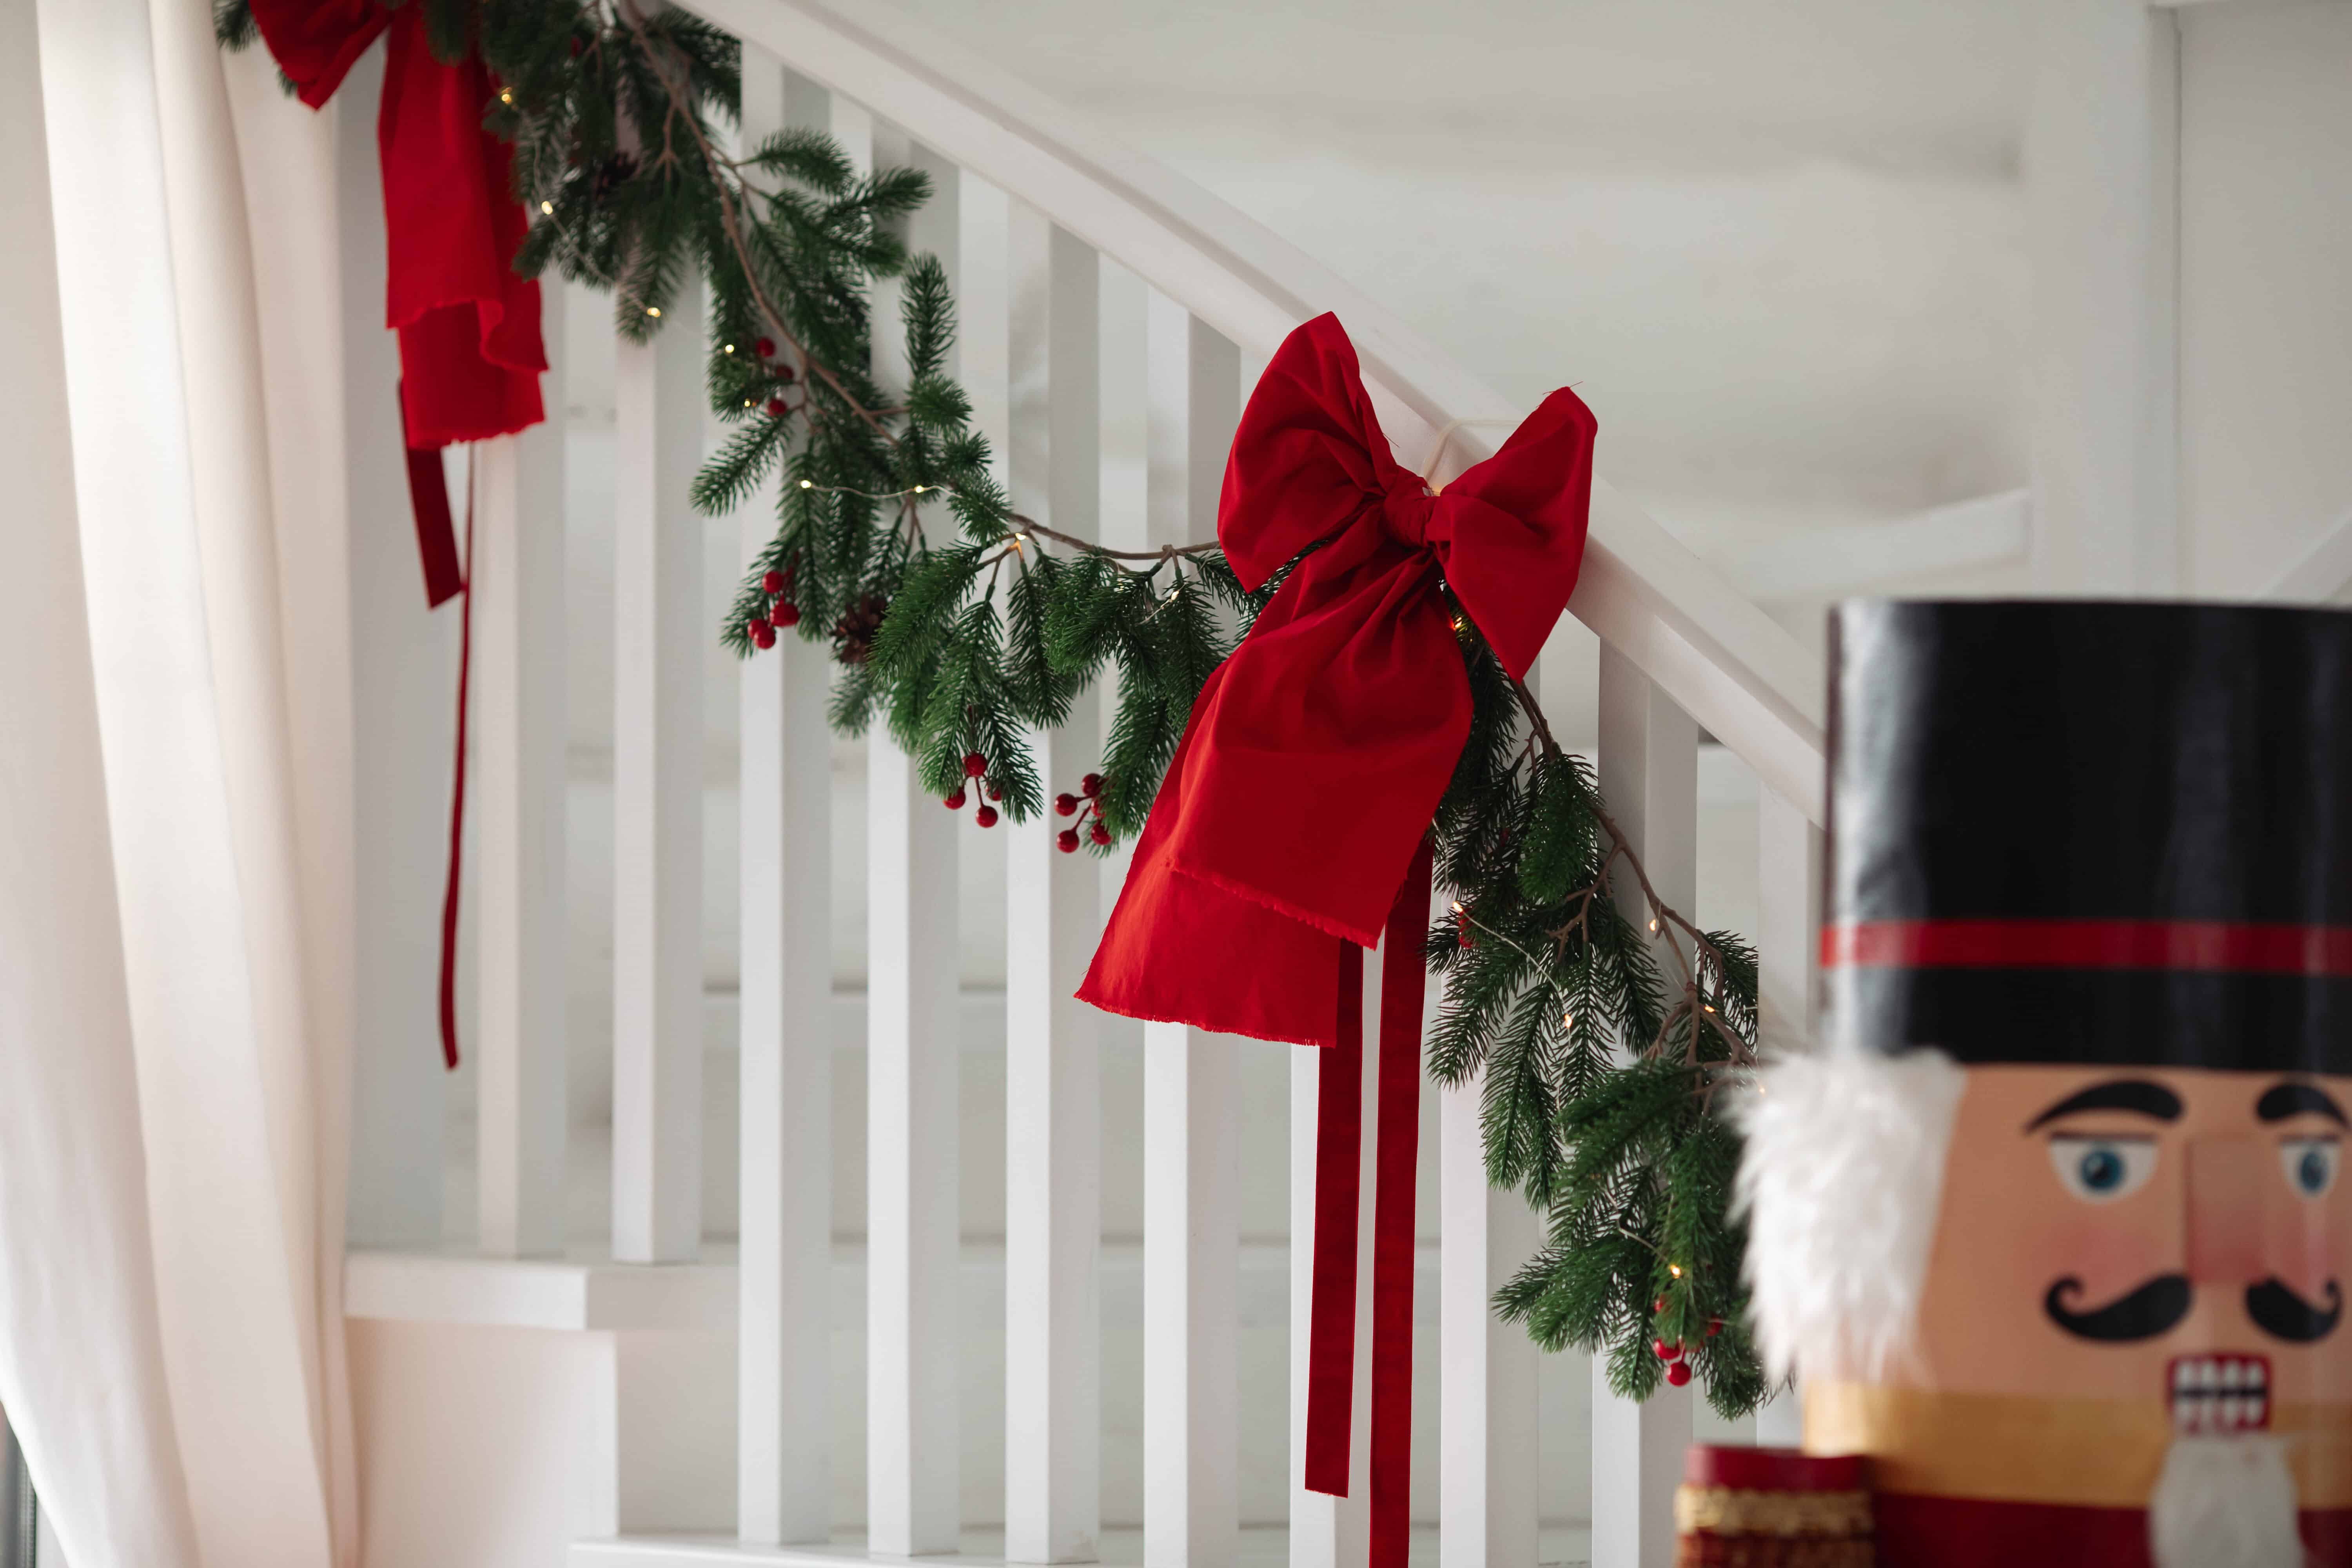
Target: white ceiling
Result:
[[1776, 243]]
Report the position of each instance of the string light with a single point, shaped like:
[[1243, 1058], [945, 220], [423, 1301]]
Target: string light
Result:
[[728, 350], [808, 484], [505, 95], [1654, 922], [655, 311], [1675, 1269], [920, 489], [1460, 910], [547, 207]]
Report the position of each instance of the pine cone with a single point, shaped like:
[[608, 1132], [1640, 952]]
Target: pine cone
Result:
[[853, 635]]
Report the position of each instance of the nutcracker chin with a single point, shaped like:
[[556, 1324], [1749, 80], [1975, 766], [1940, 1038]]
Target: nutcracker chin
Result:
[[2225, 1502]]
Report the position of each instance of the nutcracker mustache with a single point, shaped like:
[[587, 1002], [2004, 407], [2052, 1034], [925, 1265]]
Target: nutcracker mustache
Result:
[[2156, 1308], [2278, 1311]]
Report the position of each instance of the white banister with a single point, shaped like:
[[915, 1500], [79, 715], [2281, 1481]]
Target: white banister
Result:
[[913, 1324], [1052, 1130], [516, 579], [658, 640], [1192, 1092], [1649, 776], [783, 1489], [1723, 660], [1331, 1531]]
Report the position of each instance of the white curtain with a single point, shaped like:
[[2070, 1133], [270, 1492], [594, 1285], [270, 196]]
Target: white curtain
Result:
[[175, 786]]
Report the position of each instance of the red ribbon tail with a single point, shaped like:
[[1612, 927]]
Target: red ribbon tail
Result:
[[1332, 1329], [428, 504], [1332, 1346], [1403, 983], [458, 783]]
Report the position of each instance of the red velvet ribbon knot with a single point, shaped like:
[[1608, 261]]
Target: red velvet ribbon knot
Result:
[[470, 352], [1292, 827]]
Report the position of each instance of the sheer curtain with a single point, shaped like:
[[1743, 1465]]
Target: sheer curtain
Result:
[[175, 780]]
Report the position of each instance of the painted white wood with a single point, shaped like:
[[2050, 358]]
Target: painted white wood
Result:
[[1489, 1439], [578, 1295], [516, 582], [1751, 684], [912, 1453], [658, 638], [1053, 1208], [2321, 574], [2103, 205], [1649, 776], [783, 1452], [1331, 1531], [1788, 860], [404, 679], [1192, 1113]]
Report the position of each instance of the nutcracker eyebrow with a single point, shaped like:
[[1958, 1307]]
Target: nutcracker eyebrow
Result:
[[2136, 1095], [2287, 1099]]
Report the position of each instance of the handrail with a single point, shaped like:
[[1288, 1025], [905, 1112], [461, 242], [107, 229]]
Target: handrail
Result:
[[1729, 665]]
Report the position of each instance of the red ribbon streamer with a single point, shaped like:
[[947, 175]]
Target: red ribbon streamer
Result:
[[1291, 826], [470, 351], [2212, 946]]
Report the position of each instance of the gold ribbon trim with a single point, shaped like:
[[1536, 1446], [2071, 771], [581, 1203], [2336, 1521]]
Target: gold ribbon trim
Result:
[[1721, 1511]]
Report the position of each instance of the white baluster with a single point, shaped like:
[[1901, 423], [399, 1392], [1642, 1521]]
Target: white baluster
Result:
[[1053, 1132], [516, 580], [1327, 1531], [1488, 1435], [1788, 951], [403, 675], [1648, 777], [657, 641], [913, 1324], [1192, 1112], [783, 1431]]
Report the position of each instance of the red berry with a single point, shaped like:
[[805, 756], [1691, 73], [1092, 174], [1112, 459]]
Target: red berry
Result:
[[1667, 1351], [1713, 1327], [764, 347], [786, 613], [985, 817], [775, 408], [762, 635], [1678, 1373], [1100, 834], [954, 802], [994, 793], [784, 374], [1068, 840], [1659, 1305], [974, 765], [1090, 785], [772, 583], [1064, 805]]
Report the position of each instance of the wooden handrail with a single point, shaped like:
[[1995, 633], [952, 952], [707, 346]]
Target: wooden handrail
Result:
[[1729, 665]]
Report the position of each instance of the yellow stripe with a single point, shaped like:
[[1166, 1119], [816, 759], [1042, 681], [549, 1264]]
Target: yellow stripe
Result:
[[2092, 1453]]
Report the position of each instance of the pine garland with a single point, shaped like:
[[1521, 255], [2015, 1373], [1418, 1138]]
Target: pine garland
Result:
[[960, 625]]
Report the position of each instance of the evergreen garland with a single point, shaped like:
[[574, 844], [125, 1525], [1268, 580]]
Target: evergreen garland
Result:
[[958, 624]]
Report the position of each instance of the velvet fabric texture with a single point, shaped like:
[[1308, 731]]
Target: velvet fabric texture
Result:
[[1315, 756]]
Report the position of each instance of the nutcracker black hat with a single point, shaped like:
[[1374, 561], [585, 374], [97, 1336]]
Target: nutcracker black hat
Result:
[[2097, 833]]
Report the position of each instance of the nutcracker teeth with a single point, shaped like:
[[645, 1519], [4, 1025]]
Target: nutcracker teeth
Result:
[[2218, 1394]]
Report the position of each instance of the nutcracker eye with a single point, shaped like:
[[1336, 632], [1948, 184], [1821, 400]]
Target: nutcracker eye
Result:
[[2101, 1170], [2310, 1164]]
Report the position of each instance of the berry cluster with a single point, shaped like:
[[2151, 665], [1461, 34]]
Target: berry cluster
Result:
[[766, 349], [781, 611], [975, 767], [1068, 805], [1678, 1372]]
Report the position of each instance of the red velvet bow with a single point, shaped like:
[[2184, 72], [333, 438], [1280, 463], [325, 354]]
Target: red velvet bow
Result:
[[470, 353], [1292, 826]]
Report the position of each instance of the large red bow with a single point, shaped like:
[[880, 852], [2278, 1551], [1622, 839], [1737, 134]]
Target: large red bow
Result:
[[470, 353], [1292, 826]]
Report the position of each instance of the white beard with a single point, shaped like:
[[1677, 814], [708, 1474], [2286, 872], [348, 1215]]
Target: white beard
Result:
[[2225, 1502]]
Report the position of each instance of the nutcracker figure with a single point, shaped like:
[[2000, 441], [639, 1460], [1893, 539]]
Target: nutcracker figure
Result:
[[2051, 1228]]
